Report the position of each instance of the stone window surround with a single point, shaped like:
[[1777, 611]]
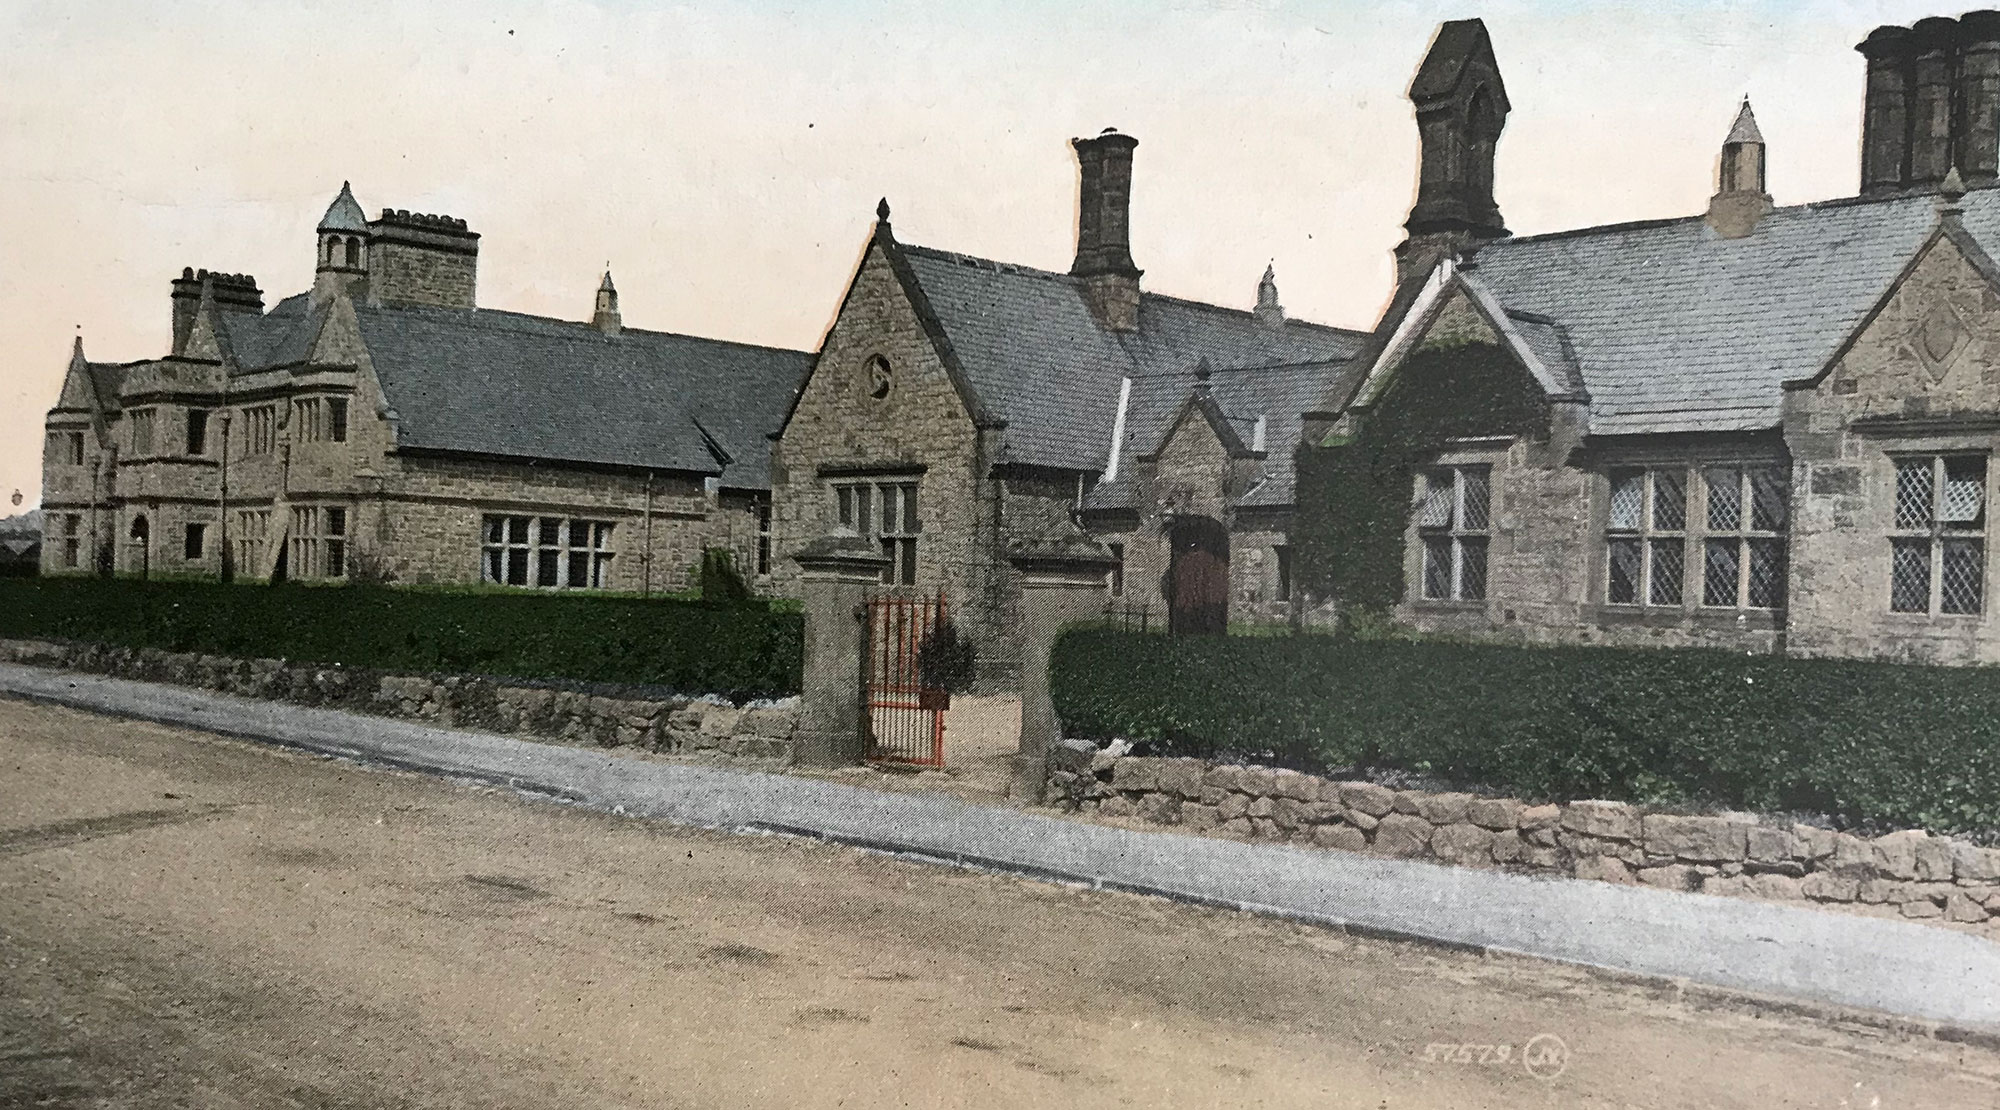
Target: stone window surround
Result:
[[1935, 534], [1695, 531], [66, 446], [1493, 456], [1691, 612], [318, 538], [319, 418], [546, 552], [858, 503]]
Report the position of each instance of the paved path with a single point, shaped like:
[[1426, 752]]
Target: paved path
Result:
[[1836, 959]]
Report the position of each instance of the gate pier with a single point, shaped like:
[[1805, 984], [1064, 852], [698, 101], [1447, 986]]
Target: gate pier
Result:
[[1063, 582], [837, 573]]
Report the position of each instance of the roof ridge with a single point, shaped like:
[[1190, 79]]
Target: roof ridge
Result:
[[1669, 221], [942, 255], [583, 328], [1256, 369]]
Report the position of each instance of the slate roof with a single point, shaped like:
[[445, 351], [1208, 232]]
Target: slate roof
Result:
[[345, 213], [1037, 358], [1672, 328], [483, 381]]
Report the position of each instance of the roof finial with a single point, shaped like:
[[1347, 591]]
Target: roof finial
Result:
[[1202, 371], [1952, 188], [1268, 310], [882, 210]]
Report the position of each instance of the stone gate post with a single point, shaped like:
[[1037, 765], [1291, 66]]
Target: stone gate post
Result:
[[836, 574], [1062, 582]]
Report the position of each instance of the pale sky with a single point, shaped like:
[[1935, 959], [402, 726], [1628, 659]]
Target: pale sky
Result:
[[726, 158]]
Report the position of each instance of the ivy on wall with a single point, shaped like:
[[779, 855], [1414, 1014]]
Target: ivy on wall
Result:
[[1355, 492]]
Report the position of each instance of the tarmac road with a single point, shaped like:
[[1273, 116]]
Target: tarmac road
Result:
[[192, 921]]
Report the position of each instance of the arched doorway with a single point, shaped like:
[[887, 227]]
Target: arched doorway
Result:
[[142, 545], [1198, 577]]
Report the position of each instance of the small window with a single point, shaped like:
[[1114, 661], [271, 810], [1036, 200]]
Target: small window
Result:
[[336, 419], [1645, 548], [549, 552], [75, 448], [1937, 552], [353, 252], [1283, 555], [72, 539], [763, 537], [1117, 570], [197, 431], [195, 542], [1453, 521], [142, 432]]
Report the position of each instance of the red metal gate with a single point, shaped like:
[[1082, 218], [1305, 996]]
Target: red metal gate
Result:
[[905, 705]]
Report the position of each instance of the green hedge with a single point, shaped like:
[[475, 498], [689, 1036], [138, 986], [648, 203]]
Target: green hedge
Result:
[[741, 650], [1867, 743]]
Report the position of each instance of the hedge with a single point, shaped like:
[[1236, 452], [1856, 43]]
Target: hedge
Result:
[[1866, 743], [741, 650]]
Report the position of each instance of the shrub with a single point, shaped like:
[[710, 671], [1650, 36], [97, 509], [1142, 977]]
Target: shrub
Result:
[[739, 650], [718, 577], [1864, 742]]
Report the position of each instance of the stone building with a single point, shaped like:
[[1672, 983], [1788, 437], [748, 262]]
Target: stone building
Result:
[[960, 405], [1762, 428], [382, 426]]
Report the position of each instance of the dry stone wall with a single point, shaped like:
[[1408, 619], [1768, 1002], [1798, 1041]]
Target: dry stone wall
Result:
[[574, 713], [1910, 874]]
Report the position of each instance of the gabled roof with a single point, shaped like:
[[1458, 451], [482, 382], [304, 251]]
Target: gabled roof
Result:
[[1037, 358], [1671, 328], [480, 381]]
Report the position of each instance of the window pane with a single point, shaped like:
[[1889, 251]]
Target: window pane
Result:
[[517, 566], [1668, 564], [1624, 560], [890, 568], [600, 576], [1913, 498], [336, 558], [1472, 569], [1964, 492], [1767, 574], [1725, 502], [1437, 566], [493, 530], [909, 562], [1670, 503], [1769, 490], [889, 512], [579, 533], [517, 529], [492, 568], [1476, 497], [548, 569], [909, 511], [864, 518], [550, 531], [579, 568], [1435, 509], [1910, 576], [336, 522], [1961, 575], [844, 497], [1719, 562], [1628, 499]]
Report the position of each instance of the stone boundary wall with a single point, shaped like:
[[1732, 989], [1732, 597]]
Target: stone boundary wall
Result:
[[1910, 874], [568, 713]]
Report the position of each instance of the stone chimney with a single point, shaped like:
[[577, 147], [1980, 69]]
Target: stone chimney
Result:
[[1740, 200], [1268, 311], [606, 318], [1461, 107], [1932, 103], [1103, 228], [421, 259], [232, 293]]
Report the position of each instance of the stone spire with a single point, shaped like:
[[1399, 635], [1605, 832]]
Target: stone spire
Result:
[[606, 318], [1740, 200], [1461, 107], [1268, 310]]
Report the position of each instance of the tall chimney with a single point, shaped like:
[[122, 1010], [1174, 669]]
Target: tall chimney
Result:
[[187, 301], [1104, 228], [1885, 120], [1935, 41], [1979, 96]]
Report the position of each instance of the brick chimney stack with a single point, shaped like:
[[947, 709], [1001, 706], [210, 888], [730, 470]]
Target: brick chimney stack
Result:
[[1104, 228]]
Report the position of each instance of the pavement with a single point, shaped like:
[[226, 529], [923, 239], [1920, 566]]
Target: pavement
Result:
[[1778, 952]]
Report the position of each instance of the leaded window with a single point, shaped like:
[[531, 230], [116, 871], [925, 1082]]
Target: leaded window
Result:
[[319, 542], [72, 538], [1937, 552], [1454, 523], [885, 511], [1744, 552], [1646, 537], [248, 535], [555, 553], [142, 432]]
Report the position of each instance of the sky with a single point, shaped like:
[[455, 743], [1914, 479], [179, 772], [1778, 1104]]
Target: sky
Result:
[[725, 158]]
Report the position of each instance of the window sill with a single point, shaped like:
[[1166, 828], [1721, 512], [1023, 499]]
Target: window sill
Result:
[[1660, 616], [1449, 605]]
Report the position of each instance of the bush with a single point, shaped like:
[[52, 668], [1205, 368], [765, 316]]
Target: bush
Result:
[[740, 650], [1867, 743], [719, 578]]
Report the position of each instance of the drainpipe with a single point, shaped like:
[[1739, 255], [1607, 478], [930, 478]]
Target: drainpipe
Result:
[[646, 559], [228, 571]]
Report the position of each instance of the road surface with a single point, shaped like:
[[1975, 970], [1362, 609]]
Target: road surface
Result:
[[192, 921]]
